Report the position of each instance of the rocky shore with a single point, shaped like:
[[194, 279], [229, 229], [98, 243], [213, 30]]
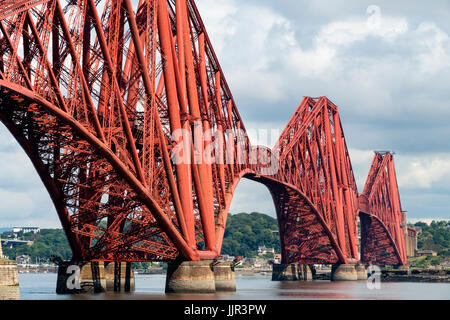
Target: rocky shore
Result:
[[423, 275], [392, 275]]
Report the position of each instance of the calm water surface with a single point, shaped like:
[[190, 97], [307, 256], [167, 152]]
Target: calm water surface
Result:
[[43, 286]]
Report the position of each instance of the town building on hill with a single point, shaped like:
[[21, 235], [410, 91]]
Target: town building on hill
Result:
[[23, 259], [26, 229], [227, 258], [428, 253], [418, 229], [263, 250], [277, 258]]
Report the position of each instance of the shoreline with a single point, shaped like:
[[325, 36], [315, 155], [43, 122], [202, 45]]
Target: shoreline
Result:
[[416, 275], [387, 275]]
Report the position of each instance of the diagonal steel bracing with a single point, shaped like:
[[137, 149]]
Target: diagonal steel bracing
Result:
[[126, 115]]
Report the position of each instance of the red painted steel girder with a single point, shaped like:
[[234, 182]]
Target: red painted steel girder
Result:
[[314, 158], [381, 201], [96, 99], [102, 101]]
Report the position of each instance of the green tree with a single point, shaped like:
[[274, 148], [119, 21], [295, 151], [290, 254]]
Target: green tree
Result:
[[244, 233], [46, 243], [435, 236]]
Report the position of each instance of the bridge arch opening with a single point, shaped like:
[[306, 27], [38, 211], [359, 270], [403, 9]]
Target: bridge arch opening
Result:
[[304, 236], [25, 201], [251, 198]]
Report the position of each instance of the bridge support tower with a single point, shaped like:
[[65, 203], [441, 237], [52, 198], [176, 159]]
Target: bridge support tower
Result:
[[200, 277], [9, 280], [344, 272], [361, 271], [190, 277], [224, 277]]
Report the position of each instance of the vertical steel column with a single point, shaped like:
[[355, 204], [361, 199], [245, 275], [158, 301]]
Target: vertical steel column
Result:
[[338, 203], [183, 176], [162, 139], [220, 143], [349, 214], [205, 184], [393, 189]]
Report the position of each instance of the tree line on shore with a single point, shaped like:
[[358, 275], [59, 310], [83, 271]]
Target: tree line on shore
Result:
[[244, 233]]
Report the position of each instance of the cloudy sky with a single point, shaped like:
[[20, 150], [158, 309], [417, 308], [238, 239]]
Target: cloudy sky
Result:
[[385, 65]]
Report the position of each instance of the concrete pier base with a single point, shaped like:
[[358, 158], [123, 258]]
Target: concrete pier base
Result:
[[361, 272], [119, 277], [224, 277], [190, 277], [9, 280], [344, 272], [291, 272]]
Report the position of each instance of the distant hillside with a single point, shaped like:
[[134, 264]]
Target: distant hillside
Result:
[[245, 232], [46, 243]]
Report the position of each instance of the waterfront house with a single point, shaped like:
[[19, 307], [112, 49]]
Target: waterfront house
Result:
[[263, 250], [277, 258], [427, 253], [23, 259]]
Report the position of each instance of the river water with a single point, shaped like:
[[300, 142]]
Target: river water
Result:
[[151, 287]]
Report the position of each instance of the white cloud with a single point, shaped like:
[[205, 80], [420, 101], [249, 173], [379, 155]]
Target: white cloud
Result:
[[251, 196], [14, 204], [425, 220], [23, 198], [436, 46], [265, 61], [389, 73], [361, 160], [422, 172], [16, 168], [220, 20], [346, 32], [382, 77]]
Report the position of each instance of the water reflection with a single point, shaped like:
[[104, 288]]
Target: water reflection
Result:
[[151, 287]]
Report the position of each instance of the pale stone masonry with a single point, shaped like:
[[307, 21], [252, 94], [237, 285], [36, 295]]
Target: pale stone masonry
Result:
[[8, 273], [1, 251], [9, 278]]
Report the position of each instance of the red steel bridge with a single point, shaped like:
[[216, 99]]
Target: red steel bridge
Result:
[[127, 117]]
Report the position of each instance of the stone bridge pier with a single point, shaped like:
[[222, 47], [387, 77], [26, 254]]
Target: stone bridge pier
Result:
[[9, 278], [200, 277]]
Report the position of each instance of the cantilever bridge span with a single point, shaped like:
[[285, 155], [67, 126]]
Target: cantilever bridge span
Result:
[[102, 94]]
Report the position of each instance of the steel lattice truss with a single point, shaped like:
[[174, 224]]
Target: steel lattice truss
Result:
[[382, 225], [102, 94]]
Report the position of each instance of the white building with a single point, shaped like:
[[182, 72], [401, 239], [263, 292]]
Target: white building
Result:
[[264, 250], [23, 259], [26, 229]]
